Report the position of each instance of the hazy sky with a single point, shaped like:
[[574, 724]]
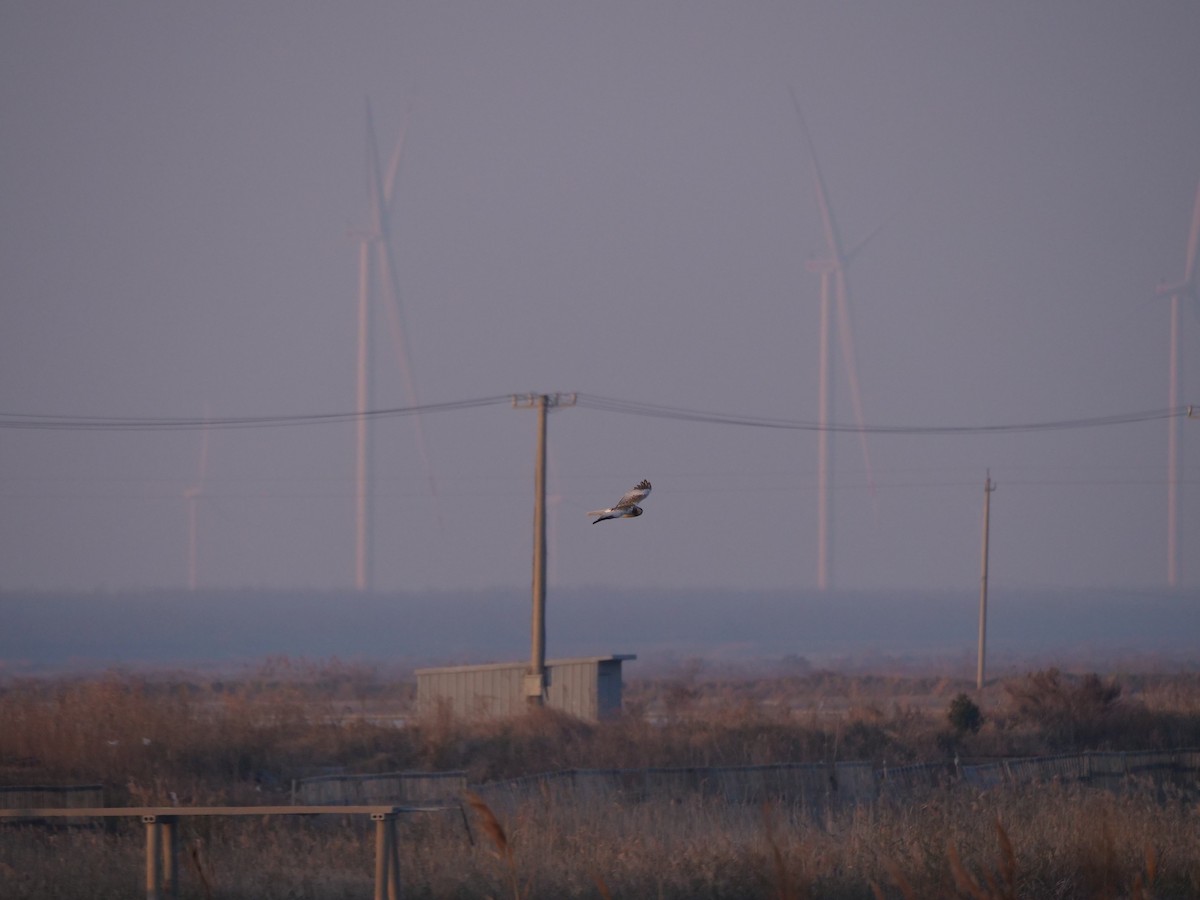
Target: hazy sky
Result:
[[612, 198]]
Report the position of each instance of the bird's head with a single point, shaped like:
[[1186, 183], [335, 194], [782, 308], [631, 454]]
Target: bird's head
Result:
[[636, 511]]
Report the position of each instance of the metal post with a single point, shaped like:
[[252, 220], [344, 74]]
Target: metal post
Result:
[[988, 487], [154, 859], [381, 857], [169, 841], [393, 878], [387, 858]]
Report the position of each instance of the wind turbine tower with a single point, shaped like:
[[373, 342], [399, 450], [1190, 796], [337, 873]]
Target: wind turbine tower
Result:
[[191, 495], [1185, 288], [832, 269], [378, 283]]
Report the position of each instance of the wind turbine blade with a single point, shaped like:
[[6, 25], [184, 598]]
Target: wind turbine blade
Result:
[[374, 187], [851, 362], [400, 342], [858, 248], [391, 286], [1189, 272], [203, 469], [840, 260], [832, 235], [393, 172]]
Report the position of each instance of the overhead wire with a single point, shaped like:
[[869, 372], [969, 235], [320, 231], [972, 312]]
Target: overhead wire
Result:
[[40, 421], [50, 422], [638, 408]]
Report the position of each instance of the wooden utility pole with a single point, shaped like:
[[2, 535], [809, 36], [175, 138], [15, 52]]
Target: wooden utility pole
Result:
[[988, 487], [535, 680]]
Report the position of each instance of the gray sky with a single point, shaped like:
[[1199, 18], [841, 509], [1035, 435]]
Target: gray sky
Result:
[[607, 198]]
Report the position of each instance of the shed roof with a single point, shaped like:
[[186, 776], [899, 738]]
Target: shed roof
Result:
[[615, 657]]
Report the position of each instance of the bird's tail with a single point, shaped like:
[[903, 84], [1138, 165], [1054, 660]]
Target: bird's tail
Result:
[[600, 512]]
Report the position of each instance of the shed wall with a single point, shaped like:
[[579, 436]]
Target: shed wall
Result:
[[588, 688]]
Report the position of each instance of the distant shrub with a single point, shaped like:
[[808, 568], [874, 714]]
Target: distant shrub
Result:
[[964, 715], [1065, 712], [871, 741]]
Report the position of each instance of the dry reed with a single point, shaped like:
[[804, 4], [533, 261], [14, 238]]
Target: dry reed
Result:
[[243, 740], [495, 831]]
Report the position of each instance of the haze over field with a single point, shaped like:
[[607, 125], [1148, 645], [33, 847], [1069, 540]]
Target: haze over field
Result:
[[876, 629], [614, 199]]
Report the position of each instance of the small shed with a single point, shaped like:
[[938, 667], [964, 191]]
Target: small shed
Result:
[[588, 687]]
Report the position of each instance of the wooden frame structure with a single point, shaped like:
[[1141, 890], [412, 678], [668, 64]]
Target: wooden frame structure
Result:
[[162, 835]]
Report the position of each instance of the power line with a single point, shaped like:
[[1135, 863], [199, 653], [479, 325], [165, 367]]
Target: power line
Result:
[[637, 408], [44, 422], [50, 422]]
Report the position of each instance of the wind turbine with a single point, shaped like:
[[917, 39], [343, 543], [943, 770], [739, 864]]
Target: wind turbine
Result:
[[376, 242], [1176, 291], [191, 494], [832, 270]]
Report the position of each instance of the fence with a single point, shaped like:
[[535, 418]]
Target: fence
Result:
[[162, 835], [1110, 770], [918, 776], [815, 786], [809, 784]]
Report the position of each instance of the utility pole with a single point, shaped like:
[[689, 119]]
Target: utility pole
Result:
[[535, 680], [988, 488]]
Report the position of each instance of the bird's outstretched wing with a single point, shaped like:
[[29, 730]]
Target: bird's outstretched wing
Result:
[[635, 496], [627, 507]]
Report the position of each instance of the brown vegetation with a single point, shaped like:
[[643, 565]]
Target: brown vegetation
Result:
[[242, 740]]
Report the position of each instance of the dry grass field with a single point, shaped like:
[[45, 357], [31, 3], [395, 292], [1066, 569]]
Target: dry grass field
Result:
[[241, 740]]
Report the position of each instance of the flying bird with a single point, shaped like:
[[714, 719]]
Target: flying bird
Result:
[[627, 507]]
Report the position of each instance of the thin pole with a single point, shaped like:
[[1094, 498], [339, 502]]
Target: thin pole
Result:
[[1173, 448], [192, 495], [393, 878], [381, 857], [193, 577], [154, 859], [170, 856], [535, 680], [537, 662], [988, 487]]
